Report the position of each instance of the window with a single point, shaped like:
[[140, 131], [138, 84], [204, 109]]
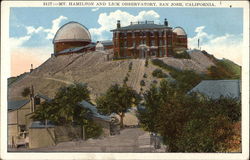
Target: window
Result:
[[160, 42], [134, 43], [160, 34], [133, 34], [152, 42], [125, 43], [151, 34]]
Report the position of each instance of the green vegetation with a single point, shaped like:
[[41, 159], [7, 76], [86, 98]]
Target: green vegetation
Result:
[[64, 109], [186, 79], [159, 73], [142, 83], [117, 99], [93, 130], [181, 55], [224, 69], [146, 62], [190, 123], [130, 66], [145, 75], [26, 92]]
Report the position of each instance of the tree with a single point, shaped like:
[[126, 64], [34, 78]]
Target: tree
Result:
[[117, 99], [191, 122], [26, 92], [64, 108]]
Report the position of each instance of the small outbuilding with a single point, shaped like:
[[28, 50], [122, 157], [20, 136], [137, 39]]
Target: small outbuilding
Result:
[[216, 88]]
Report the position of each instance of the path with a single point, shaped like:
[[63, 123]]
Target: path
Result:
[[129, 140], [135, 84]]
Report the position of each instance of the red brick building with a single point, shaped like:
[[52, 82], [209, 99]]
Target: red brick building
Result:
[[147, 39]]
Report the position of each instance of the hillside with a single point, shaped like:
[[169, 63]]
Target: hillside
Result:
[[93, 68]]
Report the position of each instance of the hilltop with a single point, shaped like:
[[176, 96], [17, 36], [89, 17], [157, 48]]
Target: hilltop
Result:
[[94, 69]]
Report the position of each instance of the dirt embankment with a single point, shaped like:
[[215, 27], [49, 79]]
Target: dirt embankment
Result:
[[94, 69]]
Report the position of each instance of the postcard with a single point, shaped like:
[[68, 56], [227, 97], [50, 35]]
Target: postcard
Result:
[[125, 80]]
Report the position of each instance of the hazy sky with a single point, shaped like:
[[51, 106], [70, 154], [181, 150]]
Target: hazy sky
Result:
[[32, 29]]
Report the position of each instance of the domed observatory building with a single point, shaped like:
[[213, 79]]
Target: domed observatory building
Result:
[[71, 35], [179, 39]]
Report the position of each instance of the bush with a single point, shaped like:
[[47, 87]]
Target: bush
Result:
[[26, 91], [130, 66], [159, 74], [92, 130], [125, 79], [142, 83], [145, 75], [146, 63], [182, 55]]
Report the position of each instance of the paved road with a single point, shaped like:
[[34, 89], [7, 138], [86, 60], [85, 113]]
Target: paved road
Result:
[[130, 140]]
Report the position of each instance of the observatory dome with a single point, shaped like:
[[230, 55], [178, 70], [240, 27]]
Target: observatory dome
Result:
[[179, 31], [72, 31]]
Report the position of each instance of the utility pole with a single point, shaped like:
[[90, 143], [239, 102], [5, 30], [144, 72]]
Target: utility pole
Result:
[[198, 43]]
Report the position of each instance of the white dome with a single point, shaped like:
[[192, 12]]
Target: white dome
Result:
[[179, 31], [72, 31]]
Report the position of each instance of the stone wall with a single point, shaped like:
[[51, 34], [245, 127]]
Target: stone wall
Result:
[[41, 137]]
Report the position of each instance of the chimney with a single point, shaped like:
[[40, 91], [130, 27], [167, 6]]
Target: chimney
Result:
[[118, 24], [31, 67], [165, 22]]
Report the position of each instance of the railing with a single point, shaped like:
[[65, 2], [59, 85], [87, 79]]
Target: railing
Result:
[[142, 22]]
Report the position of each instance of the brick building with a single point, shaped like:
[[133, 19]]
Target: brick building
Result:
[[147, 39]]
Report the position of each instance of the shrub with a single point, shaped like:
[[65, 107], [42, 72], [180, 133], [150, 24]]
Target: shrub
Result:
[[182, 55], [159, 74], [145, 75], [93, 130], [146, 63], [142, 83], [130, 66], [26, 91], [125, 79]]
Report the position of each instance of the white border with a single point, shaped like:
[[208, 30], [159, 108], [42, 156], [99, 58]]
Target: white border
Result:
[[5, 73]]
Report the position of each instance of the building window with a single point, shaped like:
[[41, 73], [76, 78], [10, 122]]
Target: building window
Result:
[[160, 53], [160, 42], [134, 44], [125, 43], [152, 42], [160, 34], [151, 34], [133, 34]]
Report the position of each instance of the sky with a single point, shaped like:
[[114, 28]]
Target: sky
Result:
[[32, 29]]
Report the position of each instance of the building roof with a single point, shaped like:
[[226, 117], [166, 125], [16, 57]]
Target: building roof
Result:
[[43, 97], [72, 31], [216, 88], [106, 43], [179, 31], [38, 124], [142, 26], [94, 110], [14, 105]]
